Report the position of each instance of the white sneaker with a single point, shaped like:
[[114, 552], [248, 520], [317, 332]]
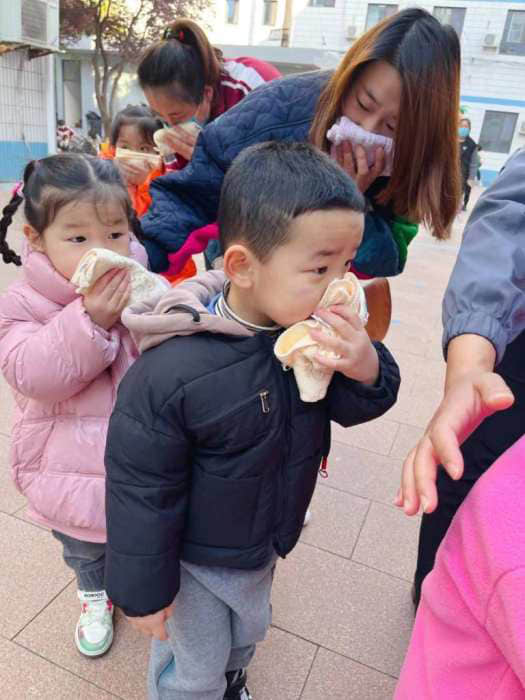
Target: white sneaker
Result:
[[307, 517], [94, 632]]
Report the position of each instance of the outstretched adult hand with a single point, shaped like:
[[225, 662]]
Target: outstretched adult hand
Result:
[[467, 402]]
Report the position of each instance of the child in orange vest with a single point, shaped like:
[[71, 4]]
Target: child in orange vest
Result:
[[132, 131]]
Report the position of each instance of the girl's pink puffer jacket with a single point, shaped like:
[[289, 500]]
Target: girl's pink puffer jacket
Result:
[[64, 371]]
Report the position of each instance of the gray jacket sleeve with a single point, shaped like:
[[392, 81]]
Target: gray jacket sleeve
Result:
[[486, 292]]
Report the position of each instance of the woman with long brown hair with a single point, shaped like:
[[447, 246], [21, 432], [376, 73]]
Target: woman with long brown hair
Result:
[[397, 87]]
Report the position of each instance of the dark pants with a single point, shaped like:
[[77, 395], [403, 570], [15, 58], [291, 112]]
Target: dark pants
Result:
[[496, 434], [86, 559], [467, 189]]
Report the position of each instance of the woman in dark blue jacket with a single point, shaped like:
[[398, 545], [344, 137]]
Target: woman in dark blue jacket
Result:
[[400, 81]]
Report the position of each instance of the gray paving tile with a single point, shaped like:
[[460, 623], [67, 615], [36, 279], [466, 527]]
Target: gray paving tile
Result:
[[344, 606], [280, 667], [337, 518], [338, 678], [25, 675], [363, 473], [34, 576], [121, 671], [377, 435], [407, 437], [388, 541]]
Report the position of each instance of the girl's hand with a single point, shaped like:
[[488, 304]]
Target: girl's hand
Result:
[[182, 141], [465, 405], [357, 356], [353, 160], [108, 297], [133, 172], [153, 625]]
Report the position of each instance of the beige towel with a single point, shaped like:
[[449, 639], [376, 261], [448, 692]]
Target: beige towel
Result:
[[97, 261], [153, 161], [296, 348], [160, 136]]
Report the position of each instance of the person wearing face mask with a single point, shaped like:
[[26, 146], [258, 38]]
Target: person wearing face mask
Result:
[[188, 83], [399, 81], [469, 159]]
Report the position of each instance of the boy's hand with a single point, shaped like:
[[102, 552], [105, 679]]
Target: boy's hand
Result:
[[108, 297], [153, 625], [468, 401], [357, 358]]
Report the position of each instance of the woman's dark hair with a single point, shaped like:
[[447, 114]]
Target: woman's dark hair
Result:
[[52, 183], [425, 181], [290, 179], [136, 115], [183, 61], [466, 119]]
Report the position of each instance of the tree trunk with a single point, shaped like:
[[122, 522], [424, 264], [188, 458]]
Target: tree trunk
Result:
[[101, 84]]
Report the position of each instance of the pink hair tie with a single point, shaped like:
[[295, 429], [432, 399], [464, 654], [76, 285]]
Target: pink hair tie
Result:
[[18, 190]]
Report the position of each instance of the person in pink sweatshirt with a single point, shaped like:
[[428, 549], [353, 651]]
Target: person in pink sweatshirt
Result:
[[468, 641], [63, 356]]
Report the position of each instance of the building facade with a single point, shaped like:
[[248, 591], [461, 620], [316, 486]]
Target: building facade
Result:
[[27, 111], [492, 34]]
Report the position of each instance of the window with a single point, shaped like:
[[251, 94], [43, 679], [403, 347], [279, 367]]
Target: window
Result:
[[498, 131], [514, 35], [455, 16], [270, 12], [378, 12], [232, 11], [322, 3]]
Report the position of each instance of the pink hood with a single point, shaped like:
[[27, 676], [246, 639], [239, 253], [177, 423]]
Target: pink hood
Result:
[[152, 323], [64, 371]]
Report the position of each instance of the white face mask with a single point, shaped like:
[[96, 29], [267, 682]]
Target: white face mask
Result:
[[346, 130]]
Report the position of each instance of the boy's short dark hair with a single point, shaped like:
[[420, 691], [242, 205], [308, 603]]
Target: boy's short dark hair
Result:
[[270, 184]]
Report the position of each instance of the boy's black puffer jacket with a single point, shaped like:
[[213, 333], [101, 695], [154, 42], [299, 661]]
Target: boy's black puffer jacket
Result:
[[212, 458]]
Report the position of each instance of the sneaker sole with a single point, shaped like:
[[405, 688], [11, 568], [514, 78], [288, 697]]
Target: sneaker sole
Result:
[[98, 652]]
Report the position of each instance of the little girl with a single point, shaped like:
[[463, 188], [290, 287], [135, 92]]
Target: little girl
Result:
[[63, 356], [469, 637], [133, 130]]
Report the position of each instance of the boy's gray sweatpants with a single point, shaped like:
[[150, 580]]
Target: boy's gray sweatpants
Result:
[[219, 616]]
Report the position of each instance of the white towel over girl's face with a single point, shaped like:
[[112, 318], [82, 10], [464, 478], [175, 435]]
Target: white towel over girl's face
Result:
[[346, 130], [97, 261]]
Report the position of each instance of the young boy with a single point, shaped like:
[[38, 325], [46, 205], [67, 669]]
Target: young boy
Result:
[[212, 458]]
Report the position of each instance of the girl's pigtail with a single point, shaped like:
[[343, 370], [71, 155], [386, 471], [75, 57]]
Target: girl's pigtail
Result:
[[8, 255]]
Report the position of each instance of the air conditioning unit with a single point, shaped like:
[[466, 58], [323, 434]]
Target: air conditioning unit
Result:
[[489, 42], [522, 129], [351, 32], [31, 23]]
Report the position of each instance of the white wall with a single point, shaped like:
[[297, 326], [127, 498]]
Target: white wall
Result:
[[26, 111]]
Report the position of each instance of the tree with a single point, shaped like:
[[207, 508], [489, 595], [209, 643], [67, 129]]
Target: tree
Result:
[[120, 30]]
